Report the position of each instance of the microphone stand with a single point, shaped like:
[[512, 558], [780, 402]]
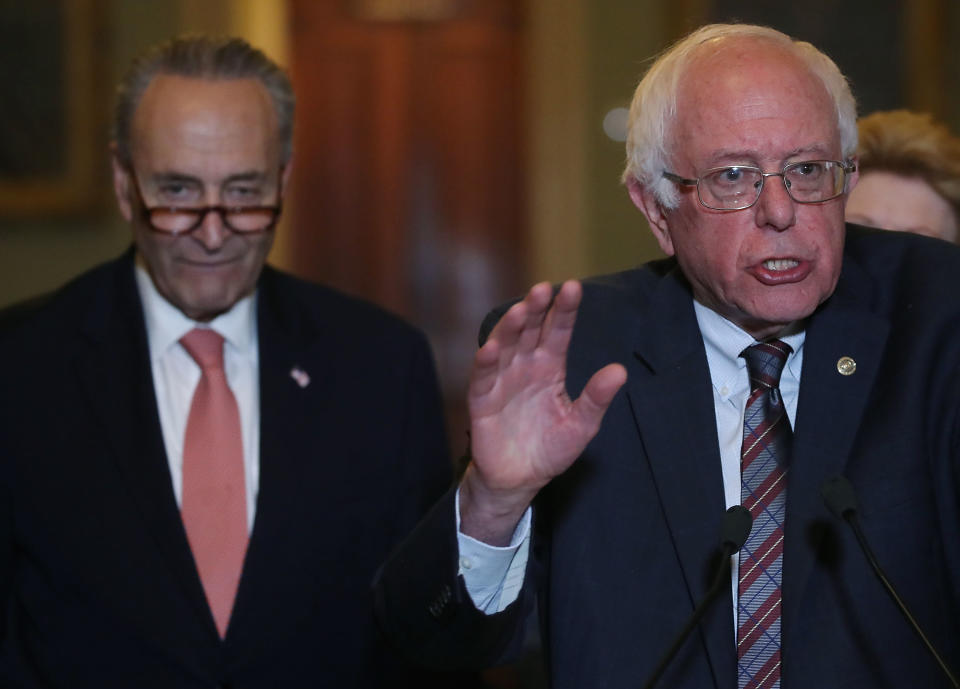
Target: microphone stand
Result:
[[842, 501], [736, 527]]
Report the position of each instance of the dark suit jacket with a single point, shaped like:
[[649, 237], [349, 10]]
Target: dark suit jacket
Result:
[[98, 581], [626, 541]]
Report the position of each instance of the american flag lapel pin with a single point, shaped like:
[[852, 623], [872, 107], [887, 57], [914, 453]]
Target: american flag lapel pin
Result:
[[301, 377]]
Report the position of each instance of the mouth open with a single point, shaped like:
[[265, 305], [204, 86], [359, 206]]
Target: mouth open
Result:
[[780, 271]]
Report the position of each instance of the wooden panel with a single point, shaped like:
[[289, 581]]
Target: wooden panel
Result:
[[406, 133], [408, 172]]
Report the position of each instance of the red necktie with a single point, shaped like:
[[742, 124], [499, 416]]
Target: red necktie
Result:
[[214, 506], [763, 476]]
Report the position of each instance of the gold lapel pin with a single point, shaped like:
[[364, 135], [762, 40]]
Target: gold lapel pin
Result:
[[846, 366]]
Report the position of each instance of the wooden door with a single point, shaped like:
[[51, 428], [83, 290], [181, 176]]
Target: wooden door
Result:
[[408, 171]]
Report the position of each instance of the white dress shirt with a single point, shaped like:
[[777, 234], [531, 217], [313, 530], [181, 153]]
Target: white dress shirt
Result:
[[731, 387], [494, 576], [176, 374]]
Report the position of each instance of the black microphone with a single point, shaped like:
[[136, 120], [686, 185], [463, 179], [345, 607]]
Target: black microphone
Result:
[[733, 534], [840, 498]]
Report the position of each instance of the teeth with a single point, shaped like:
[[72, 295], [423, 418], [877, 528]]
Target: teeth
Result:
[[780, 264]]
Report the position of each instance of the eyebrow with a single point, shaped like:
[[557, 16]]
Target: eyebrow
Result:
[[246, 176], [160, 177], [817, 149], [249, 176], [722, 155]]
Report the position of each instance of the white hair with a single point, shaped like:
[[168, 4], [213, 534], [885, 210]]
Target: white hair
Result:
[[654, 103]]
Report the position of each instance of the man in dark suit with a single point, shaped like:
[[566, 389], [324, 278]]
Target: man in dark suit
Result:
[[740, 156], [111, 573]]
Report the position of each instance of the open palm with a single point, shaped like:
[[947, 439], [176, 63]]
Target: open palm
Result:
[[525, 429]]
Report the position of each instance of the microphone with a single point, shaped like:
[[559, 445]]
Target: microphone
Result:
[[733, 534], [841, 500], [734, 530]]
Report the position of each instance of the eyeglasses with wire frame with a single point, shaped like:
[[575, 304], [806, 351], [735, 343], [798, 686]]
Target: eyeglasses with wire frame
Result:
[[738, 187], [177, 220]]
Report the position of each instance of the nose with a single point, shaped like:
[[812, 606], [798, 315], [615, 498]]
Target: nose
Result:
[[212, 233], [775, 208]]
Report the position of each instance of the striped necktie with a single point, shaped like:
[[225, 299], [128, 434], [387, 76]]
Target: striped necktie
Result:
[[764, 458]]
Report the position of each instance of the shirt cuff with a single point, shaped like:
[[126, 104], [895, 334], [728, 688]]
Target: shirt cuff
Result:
[[493, 574]]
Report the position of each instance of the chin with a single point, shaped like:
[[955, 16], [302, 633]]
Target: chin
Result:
[[206, 309], [768, 316], [792, 302], [773, 320]]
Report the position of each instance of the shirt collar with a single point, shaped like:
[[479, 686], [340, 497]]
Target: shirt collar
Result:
[[724, 340], [166, 324]]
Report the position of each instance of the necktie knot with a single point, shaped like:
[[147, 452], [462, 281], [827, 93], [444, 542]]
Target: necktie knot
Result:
[[765, 361], [206, 348]]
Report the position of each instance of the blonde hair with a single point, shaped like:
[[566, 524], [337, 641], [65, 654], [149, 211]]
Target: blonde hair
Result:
[[914, 145], [655, 101]]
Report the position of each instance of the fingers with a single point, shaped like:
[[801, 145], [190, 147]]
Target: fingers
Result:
[[599, 393], [524, 314], [483, 374], [517, 330], [558, 325], [536, 321], [537, 302], [534, 306], [539, 320]]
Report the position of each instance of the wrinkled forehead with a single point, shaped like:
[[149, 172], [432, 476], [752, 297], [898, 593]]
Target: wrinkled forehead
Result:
[[752, 93], [188, 124]]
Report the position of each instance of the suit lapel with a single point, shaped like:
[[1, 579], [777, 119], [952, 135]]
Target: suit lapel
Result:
[[829, 414], [672, 401], [115, 374], [671, 398], [290, 423]]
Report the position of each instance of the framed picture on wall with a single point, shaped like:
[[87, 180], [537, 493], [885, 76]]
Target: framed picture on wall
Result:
[[52, 124]]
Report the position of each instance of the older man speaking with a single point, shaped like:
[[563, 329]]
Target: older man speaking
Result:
[[773, 350]]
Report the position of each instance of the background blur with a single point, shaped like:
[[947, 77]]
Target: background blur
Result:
[[448, 152]]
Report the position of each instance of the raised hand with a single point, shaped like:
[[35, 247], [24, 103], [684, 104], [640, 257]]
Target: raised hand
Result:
[[525, 429]]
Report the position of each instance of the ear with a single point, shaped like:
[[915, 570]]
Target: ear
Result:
[[285, 176], [854, 176], [644, 199], [122, 182]]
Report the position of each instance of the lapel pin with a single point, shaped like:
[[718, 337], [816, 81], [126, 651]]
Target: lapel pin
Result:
[[301, 377], [846, 366]]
